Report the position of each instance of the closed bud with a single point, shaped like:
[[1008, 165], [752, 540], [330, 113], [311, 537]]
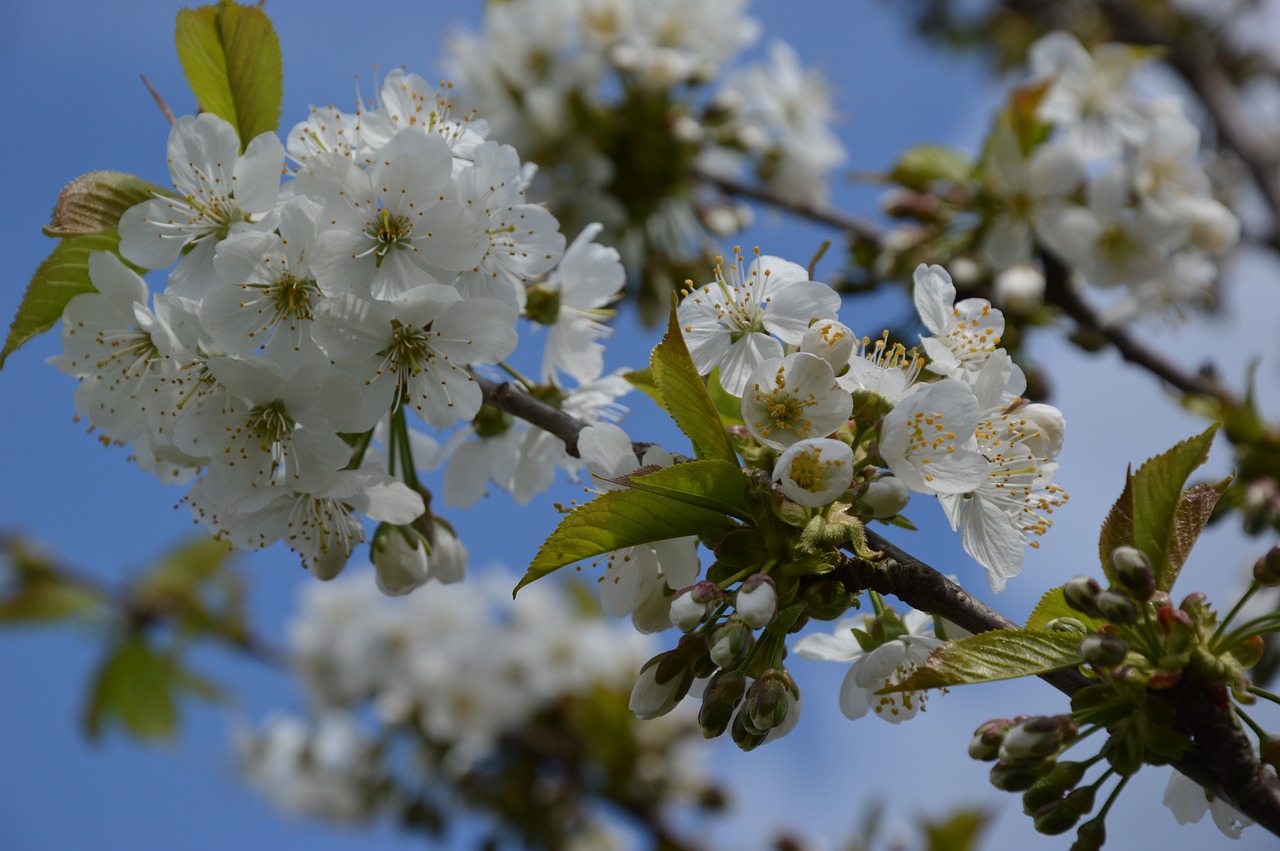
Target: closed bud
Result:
[[731, 642], [985, 744], [400, 557], [1104, 650], [1266, 570], [1117, 607], [768, 700], [1080, 594], [719, 701], [832, 341], [694, 604], [757, 601], [1133, 569], [1064, 777], [1013, 778], [882, 498], [744, 735], [1091, 836], [1055, 817], [651, 698], [1036, 738]]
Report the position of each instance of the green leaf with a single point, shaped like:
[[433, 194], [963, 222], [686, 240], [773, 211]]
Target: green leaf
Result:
[[45, 599], [727, 405], [135, 688], [1154, 515], [1002, 654], [231, 56], [183, 571], [685, 396], [642, 380], [959, 831], [924, 164], [62, 276], [614, 521], [717, 485], [1052, 606], [94, 202]]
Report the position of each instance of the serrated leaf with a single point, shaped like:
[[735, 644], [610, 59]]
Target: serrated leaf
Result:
[[1002, 654], [62, 276], [94, 202], [1149, 510], [614, 521], [642, 380], [685, 396], [1195, 507], [133, 687], [1052, 606], [717, 485], [231, 57]]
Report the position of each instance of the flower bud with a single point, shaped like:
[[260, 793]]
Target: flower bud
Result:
[[1030, 741], [1104, 650], [882, 498], [1117, 607], [399, 554], [1133, 569], [731, 642], [1012, 778], [719, 701], [744, 735], [768, 700], [1091, 836], [694, 604], [1266, 570], [1071, 625], [1080, 594], [1064, 777], [1019, 288], [651, 698], [1060, 816], [830, 340], [985, 744], [757, 601], [328, 564]]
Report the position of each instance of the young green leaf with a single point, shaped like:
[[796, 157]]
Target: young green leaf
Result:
[[685, 396], [1003, 654], [231, 56], [62, 276], [1156, 516], [615, 520], [1052, 606], [95, 202], [134, 687], [717, 485]]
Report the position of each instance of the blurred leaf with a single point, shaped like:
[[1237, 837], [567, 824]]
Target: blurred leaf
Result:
[[94, 202], [923, 165], [958, 832], [134, 687], [231, 56], [614, 521], [183, 571], [62, 276], [1156, 516], [717, 485], [1002, 654], [45, 599], [685, 396]]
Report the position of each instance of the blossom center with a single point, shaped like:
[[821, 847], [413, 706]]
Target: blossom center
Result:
[[388, 230]]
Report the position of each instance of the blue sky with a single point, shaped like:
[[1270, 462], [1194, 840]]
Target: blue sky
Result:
[[74, 104]]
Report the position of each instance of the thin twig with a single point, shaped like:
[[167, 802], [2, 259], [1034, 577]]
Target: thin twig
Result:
[[160, 102], [817, 212]]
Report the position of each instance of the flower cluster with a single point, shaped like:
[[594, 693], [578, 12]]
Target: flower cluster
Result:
[[453, 679], [1117, 189], [615, 100], [303, 320]]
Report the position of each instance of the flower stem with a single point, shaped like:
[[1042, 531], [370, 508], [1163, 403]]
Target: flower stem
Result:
[[1235, 610]]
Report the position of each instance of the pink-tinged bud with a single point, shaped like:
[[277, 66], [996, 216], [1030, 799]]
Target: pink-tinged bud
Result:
[[1133, 569], [652, 699], [1117, 607], [694, 604], [1171, 619], [1266, 570], [731, 642], [1161, 598], [1081, 594], [985, 745], [1036, 738], [757, 601]]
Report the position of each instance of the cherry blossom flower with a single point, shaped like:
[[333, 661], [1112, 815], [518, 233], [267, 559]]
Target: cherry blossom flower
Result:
[[794, 398], [814, 472], [928, 440], [964, 334]]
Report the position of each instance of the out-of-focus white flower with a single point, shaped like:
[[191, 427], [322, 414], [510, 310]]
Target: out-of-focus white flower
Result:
[[1189, 801]]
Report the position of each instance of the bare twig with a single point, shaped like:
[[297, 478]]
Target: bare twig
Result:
[[820, 213], [160, 102]]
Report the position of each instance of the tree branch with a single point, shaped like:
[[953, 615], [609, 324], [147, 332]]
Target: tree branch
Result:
[[821, 213]]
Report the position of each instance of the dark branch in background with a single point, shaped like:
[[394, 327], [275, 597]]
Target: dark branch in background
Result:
[[821, 213], [1060, 292], [1224, 761]]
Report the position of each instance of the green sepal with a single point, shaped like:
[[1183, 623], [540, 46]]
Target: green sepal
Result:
[[231, 57], [1003, 654], [685, 397], [62, 276]]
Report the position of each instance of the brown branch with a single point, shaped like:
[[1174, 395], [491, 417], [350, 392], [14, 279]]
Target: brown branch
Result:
[[821, 213], [1060, 292], [1224, 761]]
